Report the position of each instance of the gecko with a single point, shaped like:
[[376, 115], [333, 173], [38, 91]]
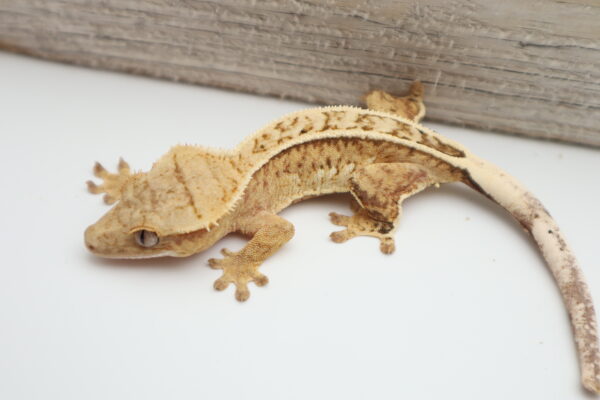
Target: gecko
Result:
[[193, 196]]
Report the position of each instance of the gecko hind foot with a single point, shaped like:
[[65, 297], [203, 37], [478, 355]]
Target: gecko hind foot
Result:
[[361, 224], [112, 183], [410, 106], [238, 271]]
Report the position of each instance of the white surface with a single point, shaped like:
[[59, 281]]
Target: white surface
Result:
[[464, 309]]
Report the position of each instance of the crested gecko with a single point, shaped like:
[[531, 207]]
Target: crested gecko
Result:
[[193, 196]]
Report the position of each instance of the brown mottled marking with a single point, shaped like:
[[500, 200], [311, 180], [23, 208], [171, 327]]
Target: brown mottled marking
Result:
[[179, 176], [258, 147], [326, 122]]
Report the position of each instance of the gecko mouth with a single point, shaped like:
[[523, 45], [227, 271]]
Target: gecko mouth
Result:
[[129, 256], [138, 256]]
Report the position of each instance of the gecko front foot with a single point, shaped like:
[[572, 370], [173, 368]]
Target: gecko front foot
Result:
[[112, 183], [361, 224], [238, 271]]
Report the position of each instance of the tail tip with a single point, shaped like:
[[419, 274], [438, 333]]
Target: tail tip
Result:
[[592, 384]]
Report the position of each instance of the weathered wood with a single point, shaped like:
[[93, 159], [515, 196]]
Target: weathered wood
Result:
[[518, 66]]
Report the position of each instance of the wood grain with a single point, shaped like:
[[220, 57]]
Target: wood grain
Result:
[[524, 67]]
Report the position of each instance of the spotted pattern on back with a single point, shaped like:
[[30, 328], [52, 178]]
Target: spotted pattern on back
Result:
[[317, 121]]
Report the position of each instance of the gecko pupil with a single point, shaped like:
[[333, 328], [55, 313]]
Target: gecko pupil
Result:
[[146, 238]]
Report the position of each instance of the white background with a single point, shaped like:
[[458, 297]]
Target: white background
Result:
[[465, 308]]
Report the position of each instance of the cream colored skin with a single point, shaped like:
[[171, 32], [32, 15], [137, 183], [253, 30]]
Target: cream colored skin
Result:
[[194, 196]]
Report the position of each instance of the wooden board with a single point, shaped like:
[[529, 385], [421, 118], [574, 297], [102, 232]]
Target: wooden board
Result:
[[523, 67]]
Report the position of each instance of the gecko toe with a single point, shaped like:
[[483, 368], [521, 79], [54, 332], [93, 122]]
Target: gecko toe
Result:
[[227, 252], [260, 279], [242, 293], [341, 236], [123, 166], [99, 170], [215, 263], [93, 188], [108, 199], [221, 284], [387, 245], [339, 219]]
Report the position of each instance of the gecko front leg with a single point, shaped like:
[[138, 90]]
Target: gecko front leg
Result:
[[112, 182], [269, 232], [379, 190]]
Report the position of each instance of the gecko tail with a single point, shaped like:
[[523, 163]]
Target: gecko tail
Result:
[[537, 221]]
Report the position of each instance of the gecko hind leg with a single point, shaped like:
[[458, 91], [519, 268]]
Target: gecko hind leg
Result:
[[112, 183], [378, 191], [410, 106], [362, 224]]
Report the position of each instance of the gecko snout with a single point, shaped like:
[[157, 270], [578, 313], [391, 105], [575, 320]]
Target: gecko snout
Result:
[[99, 240], [89, 239]]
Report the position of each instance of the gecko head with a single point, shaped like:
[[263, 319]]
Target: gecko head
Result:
[[131, 229], [167, 211]]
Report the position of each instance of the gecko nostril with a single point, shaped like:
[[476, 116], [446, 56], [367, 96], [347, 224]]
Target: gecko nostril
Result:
[[92, 248]]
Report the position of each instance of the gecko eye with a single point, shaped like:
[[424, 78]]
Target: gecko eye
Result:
[[146, 238]]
